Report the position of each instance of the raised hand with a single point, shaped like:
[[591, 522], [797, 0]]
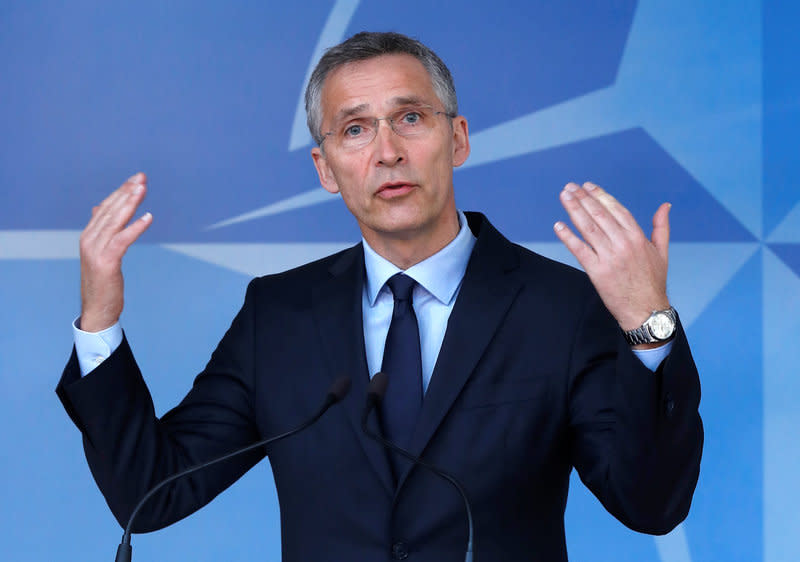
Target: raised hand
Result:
[[103, 243], [628, 270]]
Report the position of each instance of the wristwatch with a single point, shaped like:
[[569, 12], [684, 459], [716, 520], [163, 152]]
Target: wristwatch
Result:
[[660, 326]]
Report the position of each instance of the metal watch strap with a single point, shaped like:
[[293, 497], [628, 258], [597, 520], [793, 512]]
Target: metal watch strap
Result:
[[642, 334]]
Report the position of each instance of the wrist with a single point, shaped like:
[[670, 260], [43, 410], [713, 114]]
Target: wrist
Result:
[[88, 322], [657, 329], [646, 346], [635, 319]]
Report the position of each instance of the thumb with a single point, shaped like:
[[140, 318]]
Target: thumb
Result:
[[660, 236]]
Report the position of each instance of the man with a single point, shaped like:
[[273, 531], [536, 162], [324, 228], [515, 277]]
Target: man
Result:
[[516, 369]]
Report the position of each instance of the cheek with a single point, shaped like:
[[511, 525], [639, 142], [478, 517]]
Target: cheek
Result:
[[353, 195], [438, 160], [354, 168], [349, 201], [443, 171], [349, 178]]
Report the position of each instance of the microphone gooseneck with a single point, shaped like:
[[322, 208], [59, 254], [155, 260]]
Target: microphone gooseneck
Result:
[[376, 389], [337, 391]]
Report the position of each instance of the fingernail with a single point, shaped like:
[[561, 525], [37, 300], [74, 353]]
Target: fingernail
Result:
[[566, 195], [136, 178], [147, 216], [588, 186], [138, 188], [571, 187], [558, 226]]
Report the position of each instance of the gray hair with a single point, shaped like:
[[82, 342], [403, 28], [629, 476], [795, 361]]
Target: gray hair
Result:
[[367, 45]]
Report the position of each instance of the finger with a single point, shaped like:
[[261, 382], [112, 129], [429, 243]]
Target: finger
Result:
[[600, 211], [127, 186], [127, 236], [118, 212], [660, 236], [584, 221], [99, 210], [620, 213], [585, 255], [138, 177], [121, 211]]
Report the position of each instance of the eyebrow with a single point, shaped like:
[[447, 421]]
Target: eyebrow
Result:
[[407, 100], [360, 108], [350, 111]]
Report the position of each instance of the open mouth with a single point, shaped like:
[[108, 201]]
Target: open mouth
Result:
[[394, 189]]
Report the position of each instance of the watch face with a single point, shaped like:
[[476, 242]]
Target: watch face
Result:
[[662, 326]]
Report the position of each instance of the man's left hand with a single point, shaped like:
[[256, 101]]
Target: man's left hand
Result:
[[628, 270]]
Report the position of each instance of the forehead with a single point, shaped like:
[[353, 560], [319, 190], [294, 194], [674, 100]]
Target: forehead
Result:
[[375, 85]]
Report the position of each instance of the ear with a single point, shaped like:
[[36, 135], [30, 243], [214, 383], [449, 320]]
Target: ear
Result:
[[460, 140], [326, 177]]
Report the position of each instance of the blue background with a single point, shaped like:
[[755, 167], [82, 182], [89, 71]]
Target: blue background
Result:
[[697, 103]]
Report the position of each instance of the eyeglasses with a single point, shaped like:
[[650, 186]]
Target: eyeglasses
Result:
[[409, 122]]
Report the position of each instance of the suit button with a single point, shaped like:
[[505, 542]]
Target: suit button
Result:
[[669, 405], [399, 551]]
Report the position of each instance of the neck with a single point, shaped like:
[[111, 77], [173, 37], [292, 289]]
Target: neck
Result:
[[405, 251]]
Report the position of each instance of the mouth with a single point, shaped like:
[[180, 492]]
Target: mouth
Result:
[[389, 190]]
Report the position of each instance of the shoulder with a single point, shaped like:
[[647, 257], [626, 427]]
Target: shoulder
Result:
[[494, 249], [298, 282], [313, 272], [535, 266]]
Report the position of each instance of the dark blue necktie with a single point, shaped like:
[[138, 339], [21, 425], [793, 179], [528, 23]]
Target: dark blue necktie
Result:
[[402, 363]]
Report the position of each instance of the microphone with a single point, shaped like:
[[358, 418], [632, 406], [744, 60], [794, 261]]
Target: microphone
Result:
[[376, 389], [337, 391]]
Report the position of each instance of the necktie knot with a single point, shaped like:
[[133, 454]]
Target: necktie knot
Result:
[[401, 286]]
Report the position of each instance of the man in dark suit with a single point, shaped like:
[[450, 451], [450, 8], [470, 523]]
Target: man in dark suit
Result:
[[518, 368]]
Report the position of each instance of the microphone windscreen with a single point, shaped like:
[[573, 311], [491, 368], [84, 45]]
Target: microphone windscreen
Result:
[[339, 388], [377, 386]]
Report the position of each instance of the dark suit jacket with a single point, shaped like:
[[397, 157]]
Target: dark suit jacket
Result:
[[532, 379]]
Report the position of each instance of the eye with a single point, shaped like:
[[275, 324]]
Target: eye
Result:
[[353, 131], [412, 117], [357, 128]]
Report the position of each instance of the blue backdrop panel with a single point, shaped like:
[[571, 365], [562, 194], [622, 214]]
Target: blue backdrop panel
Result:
[[687, 102]]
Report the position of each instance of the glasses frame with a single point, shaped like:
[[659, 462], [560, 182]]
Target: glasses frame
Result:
[[390, 120]]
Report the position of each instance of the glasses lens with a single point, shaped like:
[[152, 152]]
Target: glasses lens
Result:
[[358, 132], [412, 121]]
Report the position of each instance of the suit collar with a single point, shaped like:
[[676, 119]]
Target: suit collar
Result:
[[490, 285]]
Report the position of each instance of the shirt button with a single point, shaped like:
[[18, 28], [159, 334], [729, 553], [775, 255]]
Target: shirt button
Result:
[[399, 551]]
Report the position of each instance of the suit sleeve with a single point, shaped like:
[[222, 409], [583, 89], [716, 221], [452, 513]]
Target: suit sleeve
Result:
[[129, 449], [636, 435]]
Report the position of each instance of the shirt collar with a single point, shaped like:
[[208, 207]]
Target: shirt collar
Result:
[[440, 274]]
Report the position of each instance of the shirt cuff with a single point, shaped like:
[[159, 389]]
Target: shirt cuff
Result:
[[92, 348], [652, 358]]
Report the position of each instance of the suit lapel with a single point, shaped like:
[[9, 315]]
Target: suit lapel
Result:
[[336, 306], [487, 291]]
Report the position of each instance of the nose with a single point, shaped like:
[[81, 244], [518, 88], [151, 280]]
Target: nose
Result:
[[388, 145]]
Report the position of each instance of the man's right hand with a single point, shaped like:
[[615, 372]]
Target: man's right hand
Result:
[[103, 243]]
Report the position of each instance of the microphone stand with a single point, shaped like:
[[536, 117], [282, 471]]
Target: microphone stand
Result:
[[375, 392], [336, 393]]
